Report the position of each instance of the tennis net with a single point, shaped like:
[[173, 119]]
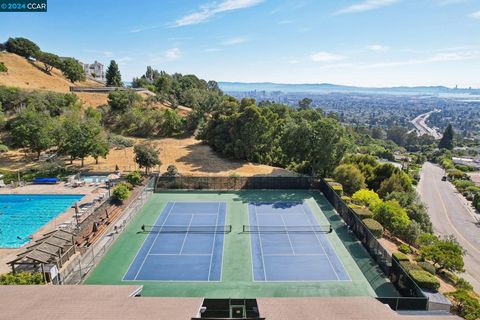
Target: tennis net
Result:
[[186, 229], [288, 229]]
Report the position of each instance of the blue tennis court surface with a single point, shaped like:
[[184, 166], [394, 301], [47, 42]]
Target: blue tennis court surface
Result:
[[291, 256], [182, 256]]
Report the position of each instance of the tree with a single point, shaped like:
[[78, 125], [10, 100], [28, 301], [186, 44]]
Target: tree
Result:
[[397, 134], [81, 137], [123, 100], [445, 253], [23, 47], [146, 156], [392, 216], [171, 123], [114, 79], [33, 130], [397, 182], [72, 70], [350, 177], [447, 139], [49, 61], [320, 143], [305, 103]]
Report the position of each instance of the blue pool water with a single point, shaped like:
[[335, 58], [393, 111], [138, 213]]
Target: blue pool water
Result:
[[23, 214]]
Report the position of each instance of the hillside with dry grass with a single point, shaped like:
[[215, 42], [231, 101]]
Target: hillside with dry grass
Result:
[[29, 75]]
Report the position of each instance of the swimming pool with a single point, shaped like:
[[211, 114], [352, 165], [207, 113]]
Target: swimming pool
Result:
[[23, 214], [94, 179]]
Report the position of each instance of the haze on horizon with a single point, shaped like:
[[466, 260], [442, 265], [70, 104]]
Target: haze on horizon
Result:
[[379, 43]]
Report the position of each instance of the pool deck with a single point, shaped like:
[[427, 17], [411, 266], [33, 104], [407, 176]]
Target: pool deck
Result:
[[90, 193]]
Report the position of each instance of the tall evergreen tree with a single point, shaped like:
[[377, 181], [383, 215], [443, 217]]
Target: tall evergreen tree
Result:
[[447, 140], [114, 79]]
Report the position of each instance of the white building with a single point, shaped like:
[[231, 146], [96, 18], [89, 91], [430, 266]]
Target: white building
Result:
[[94, 70]]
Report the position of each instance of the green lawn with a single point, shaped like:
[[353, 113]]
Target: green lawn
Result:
[[237, 280]]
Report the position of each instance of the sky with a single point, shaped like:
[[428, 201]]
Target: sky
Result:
[[350, 42]]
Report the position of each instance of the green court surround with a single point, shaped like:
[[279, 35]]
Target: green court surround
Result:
[[237, 280]]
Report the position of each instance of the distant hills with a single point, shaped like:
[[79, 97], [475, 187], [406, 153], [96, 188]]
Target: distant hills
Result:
[[331, 88]]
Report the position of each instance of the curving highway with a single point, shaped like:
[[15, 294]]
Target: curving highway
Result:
[[451, 214]]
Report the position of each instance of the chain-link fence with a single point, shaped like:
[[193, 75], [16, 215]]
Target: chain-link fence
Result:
[[79, 267], [232, 183], [412, 296]]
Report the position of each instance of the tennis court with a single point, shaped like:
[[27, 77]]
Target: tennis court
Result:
[[186, 249], [288, 244], [184, 244]]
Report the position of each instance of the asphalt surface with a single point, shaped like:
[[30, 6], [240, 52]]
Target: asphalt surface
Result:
[[422, 127], [451, 214]]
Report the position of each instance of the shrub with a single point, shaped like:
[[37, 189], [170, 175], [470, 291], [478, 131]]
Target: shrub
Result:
[[367, 198], [408, 266], [391, 215], [399, 256], [22, 278], [134, 177], [466, 305], [463, 284], [427, 266], [404, 248], [354, 206], [120, 142], [346, 199], [172, 171], [375, 227], [337, 187], [364, 213], [3, 148], [425, 280], [3, 67], [121, 192]]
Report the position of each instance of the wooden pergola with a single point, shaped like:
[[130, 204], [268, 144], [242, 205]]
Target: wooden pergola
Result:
[[53, 249]]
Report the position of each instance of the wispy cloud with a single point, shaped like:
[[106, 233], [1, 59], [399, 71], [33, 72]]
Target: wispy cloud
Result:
[[366, 5], [377, 47], [440, 57], [323, 56], [172, 54], [235, 41], [475, 15], [212, 50], [447, 2], [206, 12], [285, 22]]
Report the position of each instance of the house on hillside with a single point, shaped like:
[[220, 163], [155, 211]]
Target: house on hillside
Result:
[[94, 71]]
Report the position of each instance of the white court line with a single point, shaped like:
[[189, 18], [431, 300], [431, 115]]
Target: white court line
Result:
[[156, 237], [320, 242], [261, 247], [288, 235], [213, 244], [294, 255], [186, 235], [176, 254]]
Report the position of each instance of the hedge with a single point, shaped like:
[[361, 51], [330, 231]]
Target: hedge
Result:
[[425, 280], [400, 256], [409, 266], [346, 199], [427, 266], [337, 187], [374, 226], [364, 213], [404, 248]]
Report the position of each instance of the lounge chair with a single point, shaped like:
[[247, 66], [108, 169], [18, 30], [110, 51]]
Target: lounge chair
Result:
[[45, 181]]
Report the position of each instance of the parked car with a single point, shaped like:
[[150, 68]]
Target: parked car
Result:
[[444, 178]]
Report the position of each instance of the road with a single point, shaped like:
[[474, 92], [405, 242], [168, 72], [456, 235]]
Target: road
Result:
[[421, 126], [451, 215]]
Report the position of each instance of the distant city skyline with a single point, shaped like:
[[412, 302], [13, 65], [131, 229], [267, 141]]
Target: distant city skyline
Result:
[[366, 43]]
